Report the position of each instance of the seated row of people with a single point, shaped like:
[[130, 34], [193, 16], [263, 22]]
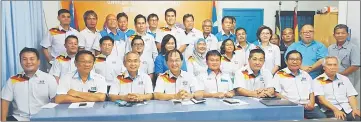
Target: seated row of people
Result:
[[335, 93]]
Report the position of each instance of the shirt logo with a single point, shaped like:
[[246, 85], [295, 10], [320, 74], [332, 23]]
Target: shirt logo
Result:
[[41, 82], [114, 62], [222, 80], [144, 62], [193, 35], [261, 79], [140, 83], [235, 62], [185, 83], [209, 78], [303, 79]]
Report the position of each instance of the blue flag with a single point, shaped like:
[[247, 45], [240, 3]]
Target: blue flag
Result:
[[73, 18], [214, 19]]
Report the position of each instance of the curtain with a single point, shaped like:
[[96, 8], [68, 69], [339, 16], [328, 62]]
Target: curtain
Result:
[[23, 25]]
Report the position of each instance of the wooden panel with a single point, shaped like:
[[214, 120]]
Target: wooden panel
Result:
[[324, 24]]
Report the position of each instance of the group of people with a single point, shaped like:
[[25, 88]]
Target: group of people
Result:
[[169, 62]]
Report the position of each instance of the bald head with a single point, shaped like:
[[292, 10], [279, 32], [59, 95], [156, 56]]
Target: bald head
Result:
[[288, 35], [111, 21], [307, 33]]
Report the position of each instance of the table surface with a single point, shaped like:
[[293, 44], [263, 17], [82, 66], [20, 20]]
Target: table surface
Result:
[[213, 109]]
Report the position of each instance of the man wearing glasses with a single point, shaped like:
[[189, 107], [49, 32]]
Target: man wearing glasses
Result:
[[82, 85], [311, 49]]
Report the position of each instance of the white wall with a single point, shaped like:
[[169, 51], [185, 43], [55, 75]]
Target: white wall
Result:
[[270, 7], [51, 12]]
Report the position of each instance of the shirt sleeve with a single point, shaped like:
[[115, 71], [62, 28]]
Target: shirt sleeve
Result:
[[355, 56], [195, 84], [150, 67], [47, 40], [351, 91], [159, 87], [184, 65], [158, 66], [148, 84], [268, 79], [64, 85], [309, 79], [317, 88], [190, 67], [276, 83], [154, 48], [114, 88], [55, 69], [321, 52], [52, 86], [159, 36], [128, 46], [101, 85], [200, 81], [8, 91], [277, 56], [81, 40], [96, 43], [239, 80]]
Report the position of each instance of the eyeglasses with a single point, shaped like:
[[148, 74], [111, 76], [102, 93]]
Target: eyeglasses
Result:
[[138, 45], [294, 59], [308, 32]]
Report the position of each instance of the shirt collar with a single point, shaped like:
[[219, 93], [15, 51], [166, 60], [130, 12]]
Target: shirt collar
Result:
[[173, 28], [77, 75], [288, 71], [312, 42], [250, 71], [325, 77], [37, 73], [61, 28], [89, 31], [126, 74], [209, 71], [224, 33], [171, 75], [344, 45]]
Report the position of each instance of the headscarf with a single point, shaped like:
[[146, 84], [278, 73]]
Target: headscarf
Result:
[[199, 58]]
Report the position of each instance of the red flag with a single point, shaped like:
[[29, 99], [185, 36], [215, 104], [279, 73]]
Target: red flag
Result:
[[295, 23]]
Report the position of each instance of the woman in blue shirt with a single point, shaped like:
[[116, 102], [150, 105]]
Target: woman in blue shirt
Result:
[[168, 43]]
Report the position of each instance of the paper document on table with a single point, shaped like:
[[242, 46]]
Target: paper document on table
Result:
[[183, 102], [49, 105], [82, 105], [234, 102]]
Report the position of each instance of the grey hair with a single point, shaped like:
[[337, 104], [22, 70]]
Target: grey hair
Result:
[[329, 57], [207, 20], [128, 53]]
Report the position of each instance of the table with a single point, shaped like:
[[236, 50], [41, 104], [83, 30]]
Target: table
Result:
[[213, 109]]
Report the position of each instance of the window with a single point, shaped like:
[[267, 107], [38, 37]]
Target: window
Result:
[[303, 17]]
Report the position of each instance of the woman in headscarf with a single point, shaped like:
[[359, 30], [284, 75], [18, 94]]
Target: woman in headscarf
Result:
[[196, 63]]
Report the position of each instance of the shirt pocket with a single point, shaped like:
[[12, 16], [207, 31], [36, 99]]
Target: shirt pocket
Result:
[[41, 90]]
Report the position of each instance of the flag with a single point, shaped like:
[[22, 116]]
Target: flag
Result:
[[295, 23], [278, 24], [214, 18], [73, 18]]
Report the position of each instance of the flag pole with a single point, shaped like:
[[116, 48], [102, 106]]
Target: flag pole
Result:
[[279, 19]]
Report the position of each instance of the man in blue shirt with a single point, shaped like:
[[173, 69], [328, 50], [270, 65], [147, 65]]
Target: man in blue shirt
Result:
[[111, 31], [123, 24], [225, 33], [312, 50]]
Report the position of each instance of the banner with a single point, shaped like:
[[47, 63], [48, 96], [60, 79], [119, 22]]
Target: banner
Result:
[[201, 10]]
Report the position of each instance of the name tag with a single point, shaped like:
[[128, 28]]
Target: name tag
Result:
[[92, 89]]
